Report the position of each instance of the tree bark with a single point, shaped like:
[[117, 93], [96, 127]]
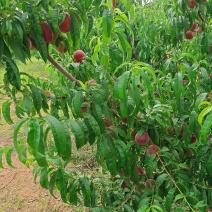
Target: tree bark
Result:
[[63, 71]]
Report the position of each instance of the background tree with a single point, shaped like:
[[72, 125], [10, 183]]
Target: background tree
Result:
[[138, 91]]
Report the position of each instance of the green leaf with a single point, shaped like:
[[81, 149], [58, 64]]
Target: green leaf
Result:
[[15, 138], [17, 48], [36, 172], [36, 97], [124, 108], [84, 128], [97, 113], [112, 165], [36, 33], [45, 4], [156, 207], [44, 178], [121, 156], [52, 182], [205, 44], [8, 153], [58, 134], [41, 159], [78, 133], [169, 199], [209, 164], [62, 184], [126, 48], [27, 104], [90, 25], [33, 136], [128, 208], [72, 192], [178, 197], [75, 31], [76, 104], [54, 19], [1, 154], [88, 4], [68, 142], [160, 179], [22, 34], [6, 112], [86, 191], [107, 22], [1, 46], [12, 73], [206, 127], [104, 147], [120, 86], [93, 123], [199, 99], [143, 208], [203, 113], [178, 85]]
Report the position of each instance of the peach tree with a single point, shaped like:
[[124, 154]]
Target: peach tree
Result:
[[133, 81]]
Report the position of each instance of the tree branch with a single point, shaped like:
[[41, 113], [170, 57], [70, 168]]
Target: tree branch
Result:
[[63, 71]]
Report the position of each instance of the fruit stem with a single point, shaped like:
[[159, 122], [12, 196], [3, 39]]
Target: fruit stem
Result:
[[63, 71]]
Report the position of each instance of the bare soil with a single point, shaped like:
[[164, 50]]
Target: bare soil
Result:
[[18, 192]]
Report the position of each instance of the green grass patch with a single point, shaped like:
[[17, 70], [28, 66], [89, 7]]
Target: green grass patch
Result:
[[34, 67]]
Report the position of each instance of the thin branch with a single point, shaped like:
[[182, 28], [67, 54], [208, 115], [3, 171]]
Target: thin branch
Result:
[[200, 15], [125, 201], [173, 181], [63, 71]]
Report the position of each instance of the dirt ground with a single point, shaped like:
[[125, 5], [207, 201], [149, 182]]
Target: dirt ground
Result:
[[18, 192]]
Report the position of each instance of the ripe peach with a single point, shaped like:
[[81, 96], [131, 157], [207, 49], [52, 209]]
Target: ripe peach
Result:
[[189, 35], [150, 183], [47, 32], [48, 93], [139, 170], [65, 25], [192, 3], [194, 26], [92, 82], [189, 152], [152, 149], [193, 138], [185, 82], [108, 122], [139, 186], [79, 55], [124, 185], [62, 48], [124, 120], [84, 107], [182, 131], [143, 139]]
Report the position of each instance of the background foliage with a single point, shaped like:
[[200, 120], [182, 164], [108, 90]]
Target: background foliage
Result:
[[149, 78]]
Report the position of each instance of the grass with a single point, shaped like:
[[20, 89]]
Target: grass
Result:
[[34, 67]]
